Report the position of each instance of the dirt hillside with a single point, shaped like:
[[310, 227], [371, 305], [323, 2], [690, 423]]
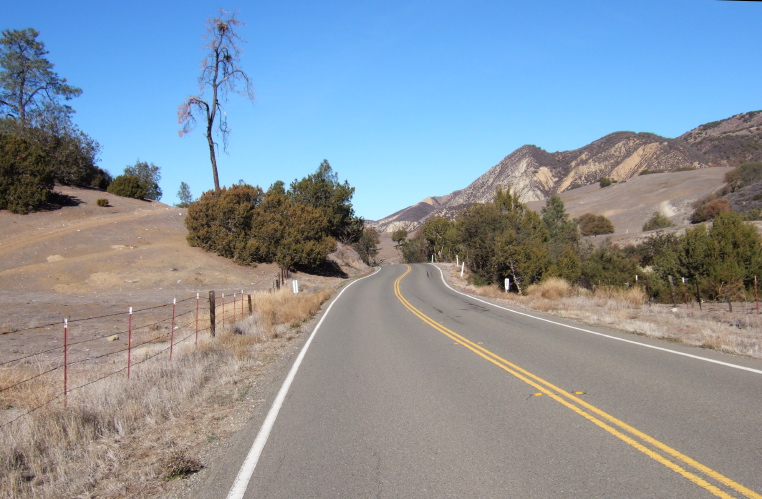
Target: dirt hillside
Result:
[[82, 260]]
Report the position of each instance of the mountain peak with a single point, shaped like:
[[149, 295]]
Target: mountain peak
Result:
[[535, 174]]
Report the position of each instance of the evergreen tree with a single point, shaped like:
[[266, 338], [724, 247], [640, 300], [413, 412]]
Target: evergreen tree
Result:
[[184, 195], [32, 102], [734, 253], [399, 236], [367, 245], [563, 240], [323, 191], [440, 237], [149, 175], [29, 87]]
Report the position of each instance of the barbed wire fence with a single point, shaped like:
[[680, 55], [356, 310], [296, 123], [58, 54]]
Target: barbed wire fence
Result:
[[77, 362]]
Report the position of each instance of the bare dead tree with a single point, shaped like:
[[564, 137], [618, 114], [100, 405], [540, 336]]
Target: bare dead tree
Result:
[[220, 74]]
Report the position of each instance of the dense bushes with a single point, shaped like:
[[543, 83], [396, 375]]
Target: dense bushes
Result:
[[34, 158], [139, 181], [710, 210], [71, 154], [594, 225], [608, 265], [719, 262], [286, 227], [128, 186], [248, 226], [25, 181], [657, 221]]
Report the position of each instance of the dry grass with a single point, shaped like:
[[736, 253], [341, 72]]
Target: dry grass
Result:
[[276, 312], [627, 309], [90, 448], [550, 289]]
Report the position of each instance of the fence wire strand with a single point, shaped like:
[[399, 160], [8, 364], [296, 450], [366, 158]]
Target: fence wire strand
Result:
[[147, 358]]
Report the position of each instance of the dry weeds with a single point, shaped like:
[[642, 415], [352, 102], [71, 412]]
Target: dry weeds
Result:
[[114, 439], [738, 333]]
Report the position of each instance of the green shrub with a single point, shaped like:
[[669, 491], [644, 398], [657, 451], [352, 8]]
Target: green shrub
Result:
[[25, 181], [221, 220], [103, 202], [605, 182], [593, 225], [608, 265], [248, 226], [128, 186], [657, 221]]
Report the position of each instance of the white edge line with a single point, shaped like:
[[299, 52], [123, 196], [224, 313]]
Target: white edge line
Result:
[[241, 482], [727, 364]]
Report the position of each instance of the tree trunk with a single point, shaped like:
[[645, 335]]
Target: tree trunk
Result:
[[213, 157], [515, 279]]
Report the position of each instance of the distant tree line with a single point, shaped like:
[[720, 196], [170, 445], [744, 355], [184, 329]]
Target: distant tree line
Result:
[[504, 239], [296, 227]]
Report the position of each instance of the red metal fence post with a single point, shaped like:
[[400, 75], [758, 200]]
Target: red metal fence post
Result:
[[223, 312], [172, 333], [66, 363], [129, 346]]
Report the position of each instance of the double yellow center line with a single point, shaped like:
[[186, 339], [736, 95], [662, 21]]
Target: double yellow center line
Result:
[[653, 448]]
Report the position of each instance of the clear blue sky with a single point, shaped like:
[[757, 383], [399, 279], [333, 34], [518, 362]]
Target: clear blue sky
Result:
[[406, 99]]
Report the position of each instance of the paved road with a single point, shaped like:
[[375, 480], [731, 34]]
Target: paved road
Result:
[[410, 389]]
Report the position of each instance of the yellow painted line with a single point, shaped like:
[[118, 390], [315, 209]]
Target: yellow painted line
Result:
[[557, 393]]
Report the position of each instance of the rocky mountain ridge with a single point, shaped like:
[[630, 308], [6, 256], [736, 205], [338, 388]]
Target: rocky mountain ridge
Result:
[[536, 174]]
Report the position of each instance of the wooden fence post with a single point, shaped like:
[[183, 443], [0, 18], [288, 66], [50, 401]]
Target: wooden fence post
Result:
[[251, 311], [212, 310]]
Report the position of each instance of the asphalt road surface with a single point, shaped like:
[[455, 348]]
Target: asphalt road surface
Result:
[[411, 389]]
